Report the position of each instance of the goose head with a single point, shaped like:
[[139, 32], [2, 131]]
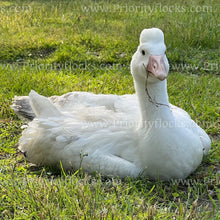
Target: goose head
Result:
[[149, 61]]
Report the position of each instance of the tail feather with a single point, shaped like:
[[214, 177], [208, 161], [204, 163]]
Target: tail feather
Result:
[[42, 106], [22, 108]]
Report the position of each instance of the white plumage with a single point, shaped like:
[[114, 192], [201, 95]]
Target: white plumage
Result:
[[129, 135]]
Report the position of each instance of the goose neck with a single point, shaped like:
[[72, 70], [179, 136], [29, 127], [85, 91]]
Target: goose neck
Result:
[[153, 100]]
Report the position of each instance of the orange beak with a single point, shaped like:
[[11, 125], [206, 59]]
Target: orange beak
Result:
[[157, 67]]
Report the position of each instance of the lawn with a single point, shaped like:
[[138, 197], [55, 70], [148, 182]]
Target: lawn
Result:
[[55, 47]]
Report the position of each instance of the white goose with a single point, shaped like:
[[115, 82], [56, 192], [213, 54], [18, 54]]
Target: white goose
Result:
[[129, 135]]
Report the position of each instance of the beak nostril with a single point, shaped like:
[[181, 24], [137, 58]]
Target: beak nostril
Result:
[[156, 66]]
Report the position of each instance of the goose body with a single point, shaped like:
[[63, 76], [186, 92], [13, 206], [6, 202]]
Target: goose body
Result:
[[129, 135]]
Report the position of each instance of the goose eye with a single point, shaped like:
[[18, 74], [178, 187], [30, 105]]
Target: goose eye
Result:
[[143, 52]]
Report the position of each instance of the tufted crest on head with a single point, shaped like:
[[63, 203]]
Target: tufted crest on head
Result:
[[151, 35], [153, 40]]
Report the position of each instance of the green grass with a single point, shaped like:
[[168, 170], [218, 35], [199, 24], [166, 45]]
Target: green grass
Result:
[[55, 47]]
